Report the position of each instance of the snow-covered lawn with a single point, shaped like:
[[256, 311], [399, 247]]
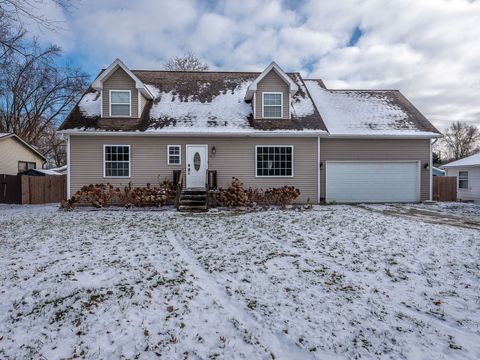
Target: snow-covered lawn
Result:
[[333, 282]]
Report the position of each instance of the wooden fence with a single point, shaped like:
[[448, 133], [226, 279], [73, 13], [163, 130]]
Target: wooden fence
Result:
[[444, 188], [25, 189]]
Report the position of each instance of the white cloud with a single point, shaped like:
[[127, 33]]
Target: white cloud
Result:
[[427, 49]]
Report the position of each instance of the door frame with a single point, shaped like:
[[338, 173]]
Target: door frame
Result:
[[187, 160]]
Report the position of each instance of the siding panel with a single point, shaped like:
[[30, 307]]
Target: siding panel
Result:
[[119, 80], [272, 82], [235, 157], [381, 149], [11, 152]]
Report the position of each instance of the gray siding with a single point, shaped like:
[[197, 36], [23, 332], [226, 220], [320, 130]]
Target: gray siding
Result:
[[272, 82], [381, 149], [119, 80], [235, 157]]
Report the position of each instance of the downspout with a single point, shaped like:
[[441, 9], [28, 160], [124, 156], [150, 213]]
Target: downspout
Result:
[[318, 170], [431, 168], [68, 167]]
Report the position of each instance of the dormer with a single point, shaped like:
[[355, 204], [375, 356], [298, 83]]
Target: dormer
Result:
[[270, 94], [123, 94]]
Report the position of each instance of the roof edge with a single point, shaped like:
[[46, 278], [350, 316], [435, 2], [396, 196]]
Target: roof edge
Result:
[[10, 135]]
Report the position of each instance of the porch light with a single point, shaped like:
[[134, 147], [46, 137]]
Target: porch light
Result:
[[321, 165], [214, 150], [426, 166]]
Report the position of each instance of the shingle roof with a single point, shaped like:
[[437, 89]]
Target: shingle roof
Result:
[[196, 102], [214, 102], [368, 112]]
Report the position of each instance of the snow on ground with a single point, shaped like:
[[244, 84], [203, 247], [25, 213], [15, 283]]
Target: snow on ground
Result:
[[333, 282]]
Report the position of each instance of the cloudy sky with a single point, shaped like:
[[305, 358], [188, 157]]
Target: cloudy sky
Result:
[[428, 49]]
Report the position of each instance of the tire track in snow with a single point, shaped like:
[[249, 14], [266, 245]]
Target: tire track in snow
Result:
[[279, 345]]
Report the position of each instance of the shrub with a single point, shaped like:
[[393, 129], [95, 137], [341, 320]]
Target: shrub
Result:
[[101, 195], [281, 196], [235, 195]]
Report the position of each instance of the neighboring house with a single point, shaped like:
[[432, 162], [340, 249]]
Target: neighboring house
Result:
[[467, 171], [17, 156], [268, 129], [437, 172]]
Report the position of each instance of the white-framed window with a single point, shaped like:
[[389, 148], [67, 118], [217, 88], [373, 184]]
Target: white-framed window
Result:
[[463, 179], [274, 160], [120, 103], [116, 161], [272, 104], [174, 153]]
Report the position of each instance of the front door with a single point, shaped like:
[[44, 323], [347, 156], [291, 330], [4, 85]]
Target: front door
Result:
[[197, 165]]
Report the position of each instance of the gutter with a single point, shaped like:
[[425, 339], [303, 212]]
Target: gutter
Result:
[[272, 133]]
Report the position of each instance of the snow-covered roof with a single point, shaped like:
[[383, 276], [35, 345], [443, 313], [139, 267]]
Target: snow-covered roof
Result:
[[48, 171], [368, 112], [197, 102], [473, 160]]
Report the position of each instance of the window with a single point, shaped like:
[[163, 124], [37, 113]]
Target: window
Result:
[[274, 160], [120, 102], [26, 165], [272, 104], [116, 160], [463, 179], [174, 154]]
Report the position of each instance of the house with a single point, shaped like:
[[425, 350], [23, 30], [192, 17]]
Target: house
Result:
[[467, 171], [17, 156], [268, 129], [437, 172]]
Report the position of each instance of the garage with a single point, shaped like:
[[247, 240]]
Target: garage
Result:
[[372, 181]]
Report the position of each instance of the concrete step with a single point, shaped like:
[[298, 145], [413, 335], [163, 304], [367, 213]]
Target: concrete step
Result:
[[193, 202], [190, 208], [194, 197]]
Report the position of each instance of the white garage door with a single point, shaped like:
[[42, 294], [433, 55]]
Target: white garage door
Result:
[[372, 181]]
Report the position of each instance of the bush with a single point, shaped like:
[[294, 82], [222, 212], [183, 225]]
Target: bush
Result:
[[101, 195], [235, 195]]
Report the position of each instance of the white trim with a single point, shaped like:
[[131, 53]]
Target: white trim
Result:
[[418, 190], [430, 192], [69, 195], [179, 154], [263, 104], [276, 176], [129, 100], [319, 161], [292, 87], [129, 163], [252, 133], [139, 103], [254, 105], [186, 160], [117, 63]]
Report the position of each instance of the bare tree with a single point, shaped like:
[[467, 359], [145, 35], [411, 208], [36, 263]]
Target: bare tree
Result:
[[461, 140], [16, 11], [36, 93], [187, 62]]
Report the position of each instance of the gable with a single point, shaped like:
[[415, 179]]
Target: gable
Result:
[[272, 82], [119, 80]]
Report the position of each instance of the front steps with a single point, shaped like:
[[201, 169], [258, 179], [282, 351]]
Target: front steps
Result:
[[193, 200]]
